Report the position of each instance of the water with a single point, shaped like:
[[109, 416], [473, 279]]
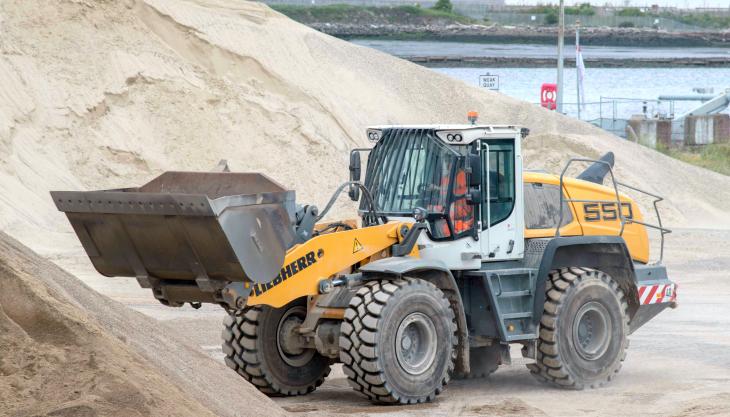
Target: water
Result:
[[507, 50], [605, 83], [602, 86]]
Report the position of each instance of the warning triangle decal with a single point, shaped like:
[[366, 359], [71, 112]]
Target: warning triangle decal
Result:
[[357, 246]]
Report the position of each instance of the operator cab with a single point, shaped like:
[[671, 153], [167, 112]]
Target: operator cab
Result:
[[465, 178]]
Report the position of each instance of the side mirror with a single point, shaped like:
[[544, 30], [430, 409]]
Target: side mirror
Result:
[[420, 214], [474, 164], [355, 171]]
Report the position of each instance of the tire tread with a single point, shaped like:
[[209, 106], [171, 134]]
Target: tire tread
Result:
[[549, 366], [239, 345], [358, 348]]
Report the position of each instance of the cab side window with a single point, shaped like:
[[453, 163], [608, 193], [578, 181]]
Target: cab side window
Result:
[[500, 173]]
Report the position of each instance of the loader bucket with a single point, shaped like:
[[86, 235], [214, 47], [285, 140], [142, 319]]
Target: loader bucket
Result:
[[206, 227]]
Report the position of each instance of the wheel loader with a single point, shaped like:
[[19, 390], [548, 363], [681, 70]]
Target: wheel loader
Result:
[[458, 254]]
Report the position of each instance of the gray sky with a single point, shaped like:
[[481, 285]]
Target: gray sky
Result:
[[636, 3]]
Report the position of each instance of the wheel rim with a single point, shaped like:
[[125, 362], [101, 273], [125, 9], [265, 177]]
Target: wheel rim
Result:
[[288, 340], [415, 343], [591, 330]]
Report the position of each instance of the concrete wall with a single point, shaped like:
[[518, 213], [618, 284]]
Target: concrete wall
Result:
[[704, 130], [722, 128], [650, 132]]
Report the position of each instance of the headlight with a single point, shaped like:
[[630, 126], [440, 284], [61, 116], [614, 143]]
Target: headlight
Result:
[[373, 135], [454, 137]]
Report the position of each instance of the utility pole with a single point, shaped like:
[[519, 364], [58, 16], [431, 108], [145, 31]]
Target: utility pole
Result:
[[561, 33], [577, 68]]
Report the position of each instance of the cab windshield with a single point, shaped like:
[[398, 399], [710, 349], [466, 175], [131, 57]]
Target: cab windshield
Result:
[[411, 168]]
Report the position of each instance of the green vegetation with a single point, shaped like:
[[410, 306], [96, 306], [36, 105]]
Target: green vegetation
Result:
[[626, 25], [444, 6], [346, 13], [715, 157], [583, 9], [541, 9], [551, 18], [705, 20], [630, 12]]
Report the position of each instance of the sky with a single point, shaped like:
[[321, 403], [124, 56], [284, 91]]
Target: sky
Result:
[[635, 3]]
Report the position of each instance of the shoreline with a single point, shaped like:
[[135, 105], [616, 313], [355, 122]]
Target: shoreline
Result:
[[590, 36], [510, 62]]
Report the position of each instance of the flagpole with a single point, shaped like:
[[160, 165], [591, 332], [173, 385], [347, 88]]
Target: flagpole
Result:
[[561, 32], [577, 69]]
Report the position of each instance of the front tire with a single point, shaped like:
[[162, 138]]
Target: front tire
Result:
[[256, 346], [583, 331], [397, 341]]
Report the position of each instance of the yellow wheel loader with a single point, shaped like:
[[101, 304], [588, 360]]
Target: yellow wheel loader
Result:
[[458, 254]]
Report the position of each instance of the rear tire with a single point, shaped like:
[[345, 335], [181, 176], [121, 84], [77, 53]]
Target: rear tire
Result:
[[252, 348], [397, 341], [583, 331]]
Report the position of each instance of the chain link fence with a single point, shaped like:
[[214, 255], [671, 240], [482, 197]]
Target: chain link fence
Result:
[[494, 11], [613, 113], [532, 19]]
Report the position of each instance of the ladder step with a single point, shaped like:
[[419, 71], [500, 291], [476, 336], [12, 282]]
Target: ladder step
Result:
[[526, 336], [521, 315], [512, 272], [507, 294]]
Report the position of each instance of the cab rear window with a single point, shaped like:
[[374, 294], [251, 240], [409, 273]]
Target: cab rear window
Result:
[[542, 206]]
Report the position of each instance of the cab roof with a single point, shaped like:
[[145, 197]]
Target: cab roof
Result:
[[467, 133], [465, 126]]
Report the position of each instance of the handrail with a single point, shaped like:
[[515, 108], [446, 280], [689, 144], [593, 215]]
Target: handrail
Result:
[[615, 189], [663, 231]]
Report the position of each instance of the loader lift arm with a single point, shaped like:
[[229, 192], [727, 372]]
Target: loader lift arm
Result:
[[324, 256]]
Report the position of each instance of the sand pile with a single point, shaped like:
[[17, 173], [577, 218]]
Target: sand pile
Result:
[[97, 94], [104, 94], [59, 359]]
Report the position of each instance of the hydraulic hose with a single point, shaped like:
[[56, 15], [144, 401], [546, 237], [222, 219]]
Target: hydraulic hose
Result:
[[370, 218]]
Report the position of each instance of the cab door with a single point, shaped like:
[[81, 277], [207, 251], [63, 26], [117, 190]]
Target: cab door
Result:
[[502, 223]]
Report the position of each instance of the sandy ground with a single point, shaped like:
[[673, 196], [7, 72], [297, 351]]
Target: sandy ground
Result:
[[66, 350], [57, 360], [678, 364], [105, 94]]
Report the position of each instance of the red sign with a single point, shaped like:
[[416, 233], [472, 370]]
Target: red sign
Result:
[[548, 96]]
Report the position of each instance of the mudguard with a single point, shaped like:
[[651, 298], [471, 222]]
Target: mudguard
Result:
[[403, 265], [610, 255]]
